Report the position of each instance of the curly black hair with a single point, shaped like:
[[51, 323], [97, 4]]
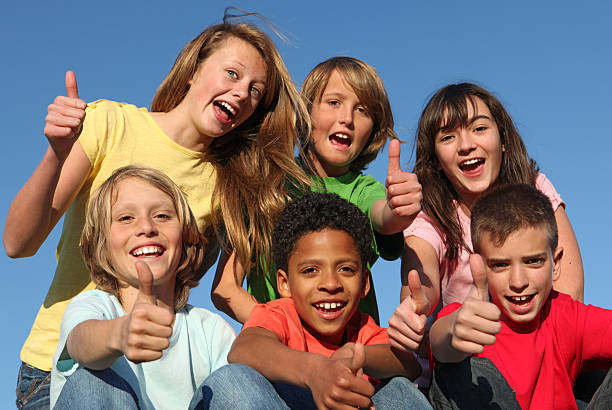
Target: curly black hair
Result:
[[315, 212]]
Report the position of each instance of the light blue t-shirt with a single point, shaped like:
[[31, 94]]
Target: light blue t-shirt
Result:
[[199, 345]]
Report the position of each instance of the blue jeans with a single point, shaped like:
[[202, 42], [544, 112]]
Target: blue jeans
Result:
[[32, 388], [239, 387], [102, 389], [474, 383]]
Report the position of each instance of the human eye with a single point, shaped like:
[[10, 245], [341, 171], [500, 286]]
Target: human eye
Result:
[[308, 270], [497, 266], [362, 110], [480, 128], [446, 137], [232, 74], [333, 103], [535, 261], [164, 216], [123, 218], [255, 92]]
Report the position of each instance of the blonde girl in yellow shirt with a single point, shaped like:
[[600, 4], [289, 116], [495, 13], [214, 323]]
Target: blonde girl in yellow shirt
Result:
[[221, 126]]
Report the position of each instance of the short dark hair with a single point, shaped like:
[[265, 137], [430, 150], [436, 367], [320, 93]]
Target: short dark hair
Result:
[[315, 212], [510, 208]]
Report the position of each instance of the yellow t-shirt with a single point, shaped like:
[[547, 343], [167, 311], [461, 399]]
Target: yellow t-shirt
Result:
[[115, 135]]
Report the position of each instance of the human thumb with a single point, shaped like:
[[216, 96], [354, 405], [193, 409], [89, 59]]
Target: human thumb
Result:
[[479, 275], [358, 359], [145, 281], [72, 90], [420, 304], [394, 157]]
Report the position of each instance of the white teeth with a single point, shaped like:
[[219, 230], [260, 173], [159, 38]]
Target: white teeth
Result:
[[328, 305], [342, 136], [228, 107], [520, 298], [147, 250], [470, 161]]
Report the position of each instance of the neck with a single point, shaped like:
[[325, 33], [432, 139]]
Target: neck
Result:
[[326, 170], [180, 130]]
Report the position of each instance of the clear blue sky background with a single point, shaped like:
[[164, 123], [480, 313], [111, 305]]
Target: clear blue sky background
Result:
[[549, 62]]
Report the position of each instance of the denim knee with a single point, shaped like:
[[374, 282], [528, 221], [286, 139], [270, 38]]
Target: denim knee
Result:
[[399, 393]]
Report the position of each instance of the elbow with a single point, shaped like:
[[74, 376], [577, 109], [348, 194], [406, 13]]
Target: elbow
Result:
[[15, 249]]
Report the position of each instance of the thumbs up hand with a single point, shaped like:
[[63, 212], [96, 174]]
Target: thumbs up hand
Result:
[[477, 320], [407, 324], [147, 330], [65, 117], [403, 188]]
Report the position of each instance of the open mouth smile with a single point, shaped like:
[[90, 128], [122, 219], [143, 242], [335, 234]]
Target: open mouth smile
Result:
[[148, 251], [227, 112], [340, 139], [471, 164], [329, 310], [520, 300]]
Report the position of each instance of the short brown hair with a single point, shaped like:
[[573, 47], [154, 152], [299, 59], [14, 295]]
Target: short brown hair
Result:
[[510, 208], [370, 90], [94, 240]]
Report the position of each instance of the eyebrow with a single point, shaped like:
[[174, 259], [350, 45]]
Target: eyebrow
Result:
[[478, 117]]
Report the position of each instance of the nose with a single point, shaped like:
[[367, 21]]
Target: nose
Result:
[[241, 90], [330, 283], [518, 280], [346, 116], [466, 141], [146, 227]]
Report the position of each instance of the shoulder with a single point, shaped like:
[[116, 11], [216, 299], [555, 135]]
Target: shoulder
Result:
[[544, 185], [101, 106], [207, 322], [363, 329]]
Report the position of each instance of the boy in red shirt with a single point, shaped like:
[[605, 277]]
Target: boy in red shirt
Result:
[[526, 343], [313, 347]]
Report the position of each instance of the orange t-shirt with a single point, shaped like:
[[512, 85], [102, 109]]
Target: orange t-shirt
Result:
[[279, 316]]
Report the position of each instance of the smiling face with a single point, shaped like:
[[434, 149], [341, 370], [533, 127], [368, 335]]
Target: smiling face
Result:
[[471, 157], [326, 280], [341, 127], [520, 272], [144, 227], [226, 88]]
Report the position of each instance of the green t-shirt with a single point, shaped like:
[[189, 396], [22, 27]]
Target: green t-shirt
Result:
[[361, 190]]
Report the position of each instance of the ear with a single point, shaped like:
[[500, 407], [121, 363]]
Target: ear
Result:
[[282, 283], [557, 256], [365, 286]]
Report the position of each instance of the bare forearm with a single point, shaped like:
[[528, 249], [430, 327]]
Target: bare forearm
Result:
[[287, 366], [382, 361], [31, 217], [385, 221], [571, 278], [227, 292], [440, 338], [86, 347]]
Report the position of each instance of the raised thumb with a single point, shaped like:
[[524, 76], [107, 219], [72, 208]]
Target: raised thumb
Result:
[[145, 282], [479, 275]]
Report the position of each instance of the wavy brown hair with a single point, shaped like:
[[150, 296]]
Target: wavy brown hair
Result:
[[448, 110], [95, 246], [371, 92], [255, 160]]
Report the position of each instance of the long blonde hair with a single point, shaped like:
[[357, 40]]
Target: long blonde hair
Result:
[[255, 161]]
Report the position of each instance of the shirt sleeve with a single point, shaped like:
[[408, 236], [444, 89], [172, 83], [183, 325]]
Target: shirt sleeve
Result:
[[544, 185], [424, 228], [101, 120], [271, 318]]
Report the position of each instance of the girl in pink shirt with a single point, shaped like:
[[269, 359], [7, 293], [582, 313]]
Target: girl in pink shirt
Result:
[[466, 144]]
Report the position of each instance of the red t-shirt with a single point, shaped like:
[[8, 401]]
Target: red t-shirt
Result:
[[541, 365], [279, 316]]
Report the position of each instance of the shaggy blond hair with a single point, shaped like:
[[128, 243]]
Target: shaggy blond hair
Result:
[[371, 92], [95, 246]]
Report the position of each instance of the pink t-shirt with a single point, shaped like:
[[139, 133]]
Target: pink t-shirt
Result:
[[456, 285], [541, 365]]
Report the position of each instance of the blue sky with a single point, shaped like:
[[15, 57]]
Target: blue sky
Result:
[[549, 62]]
